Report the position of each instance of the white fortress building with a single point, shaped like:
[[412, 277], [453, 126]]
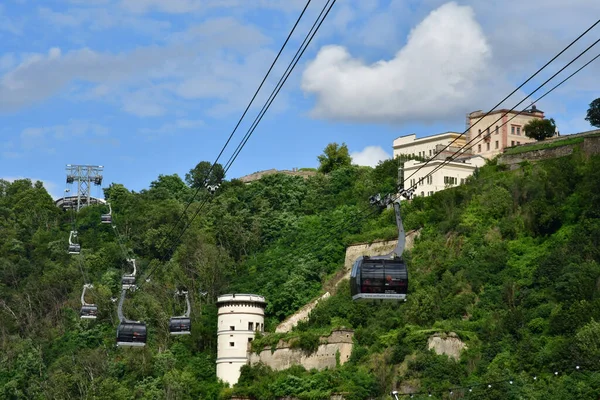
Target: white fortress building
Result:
[[240, 316]]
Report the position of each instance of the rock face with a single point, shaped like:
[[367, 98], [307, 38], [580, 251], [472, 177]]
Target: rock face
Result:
[[325, 357], [449, 344]]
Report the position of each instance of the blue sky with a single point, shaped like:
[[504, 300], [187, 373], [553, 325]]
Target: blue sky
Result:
[[149, 87]]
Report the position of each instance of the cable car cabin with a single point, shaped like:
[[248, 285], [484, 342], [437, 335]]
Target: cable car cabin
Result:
[[106, 218], [180, 326], [74, 248], [131, 334], [88, 311], [127, 282], [379, 279]]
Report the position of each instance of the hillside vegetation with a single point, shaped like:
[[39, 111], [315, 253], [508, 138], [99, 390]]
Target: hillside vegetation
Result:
[[508, 261]]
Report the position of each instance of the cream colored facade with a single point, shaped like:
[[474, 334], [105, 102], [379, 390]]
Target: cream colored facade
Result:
[[452, 174], [497, 131], [239, 317], [426, 147]]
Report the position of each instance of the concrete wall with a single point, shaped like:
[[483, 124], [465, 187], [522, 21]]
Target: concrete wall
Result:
[[377, 248], [300, 315], [589, 146], [325, 357]]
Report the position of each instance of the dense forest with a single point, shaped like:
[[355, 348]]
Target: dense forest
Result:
[[509, 262]]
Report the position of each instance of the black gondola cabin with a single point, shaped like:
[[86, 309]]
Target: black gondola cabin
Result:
[[88, 311], [131, 334], [127, 282], [74, 248], [180, 326], [106, 219], [379, 279]]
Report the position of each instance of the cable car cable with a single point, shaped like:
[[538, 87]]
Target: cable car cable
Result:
[[247, 137], [293, 63], [448, 159], [277, 88], [200, 187], [514, 91]]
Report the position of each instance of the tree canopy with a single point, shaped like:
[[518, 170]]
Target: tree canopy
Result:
[[593, 113], [508, 261], [540, 129], [334, 156], [202, 173]]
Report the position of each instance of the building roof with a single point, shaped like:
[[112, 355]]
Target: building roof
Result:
[[426, 139], [533, 111]]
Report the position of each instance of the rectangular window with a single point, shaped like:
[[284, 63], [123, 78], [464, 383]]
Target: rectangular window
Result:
[[487, 146], [496, 144], [429, 179], [429, 153], [450, 180], [462, 180], [249, 339], [250, 326], [231, 344], [497, 129], [232, 328], [518, 143], [518, 130], [512, 142], [512, 129], [479, 148], [479, 133]]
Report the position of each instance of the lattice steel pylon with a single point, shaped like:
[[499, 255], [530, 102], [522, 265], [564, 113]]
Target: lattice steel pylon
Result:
[[85, 176]]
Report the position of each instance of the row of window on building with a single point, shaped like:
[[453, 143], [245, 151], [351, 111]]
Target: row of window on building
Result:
[[514, 130], [251, 326], [448, 180]]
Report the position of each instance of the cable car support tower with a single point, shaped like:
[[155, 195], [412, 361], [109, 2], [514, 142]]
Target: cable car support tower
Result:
[[85, 176]]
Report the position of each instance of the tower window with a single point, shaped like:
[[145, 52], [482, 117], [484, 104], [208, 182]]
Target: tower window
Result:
[[231, 344]]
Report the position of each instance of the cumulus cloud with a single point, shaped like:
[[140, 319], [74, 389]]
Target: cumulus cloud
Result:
[[369, 156], [435, 75]]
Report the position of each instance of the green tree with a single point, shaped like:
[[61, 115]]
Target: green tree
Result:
[[540, 129], [334, 156], [593, 113], [202, 172]]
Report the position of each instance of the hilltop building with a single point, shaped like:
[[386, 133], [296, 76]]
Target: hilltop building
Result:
[[240, 316], [497, 134]]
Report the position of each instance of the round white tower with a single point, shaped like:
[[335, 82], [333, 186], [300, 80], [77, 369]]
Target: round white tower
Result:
[[240, 316]]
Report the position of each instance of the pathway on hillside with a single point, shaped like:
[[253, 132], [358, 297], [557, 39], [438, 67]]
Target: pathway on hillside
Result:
[[352, 253]]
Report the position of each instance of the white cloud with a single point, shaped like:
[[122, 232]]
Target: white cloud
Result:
[[435, 76], [142, 81], [172, 128], [51, 187], [41, 137], [369, 156], [187, 6]]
